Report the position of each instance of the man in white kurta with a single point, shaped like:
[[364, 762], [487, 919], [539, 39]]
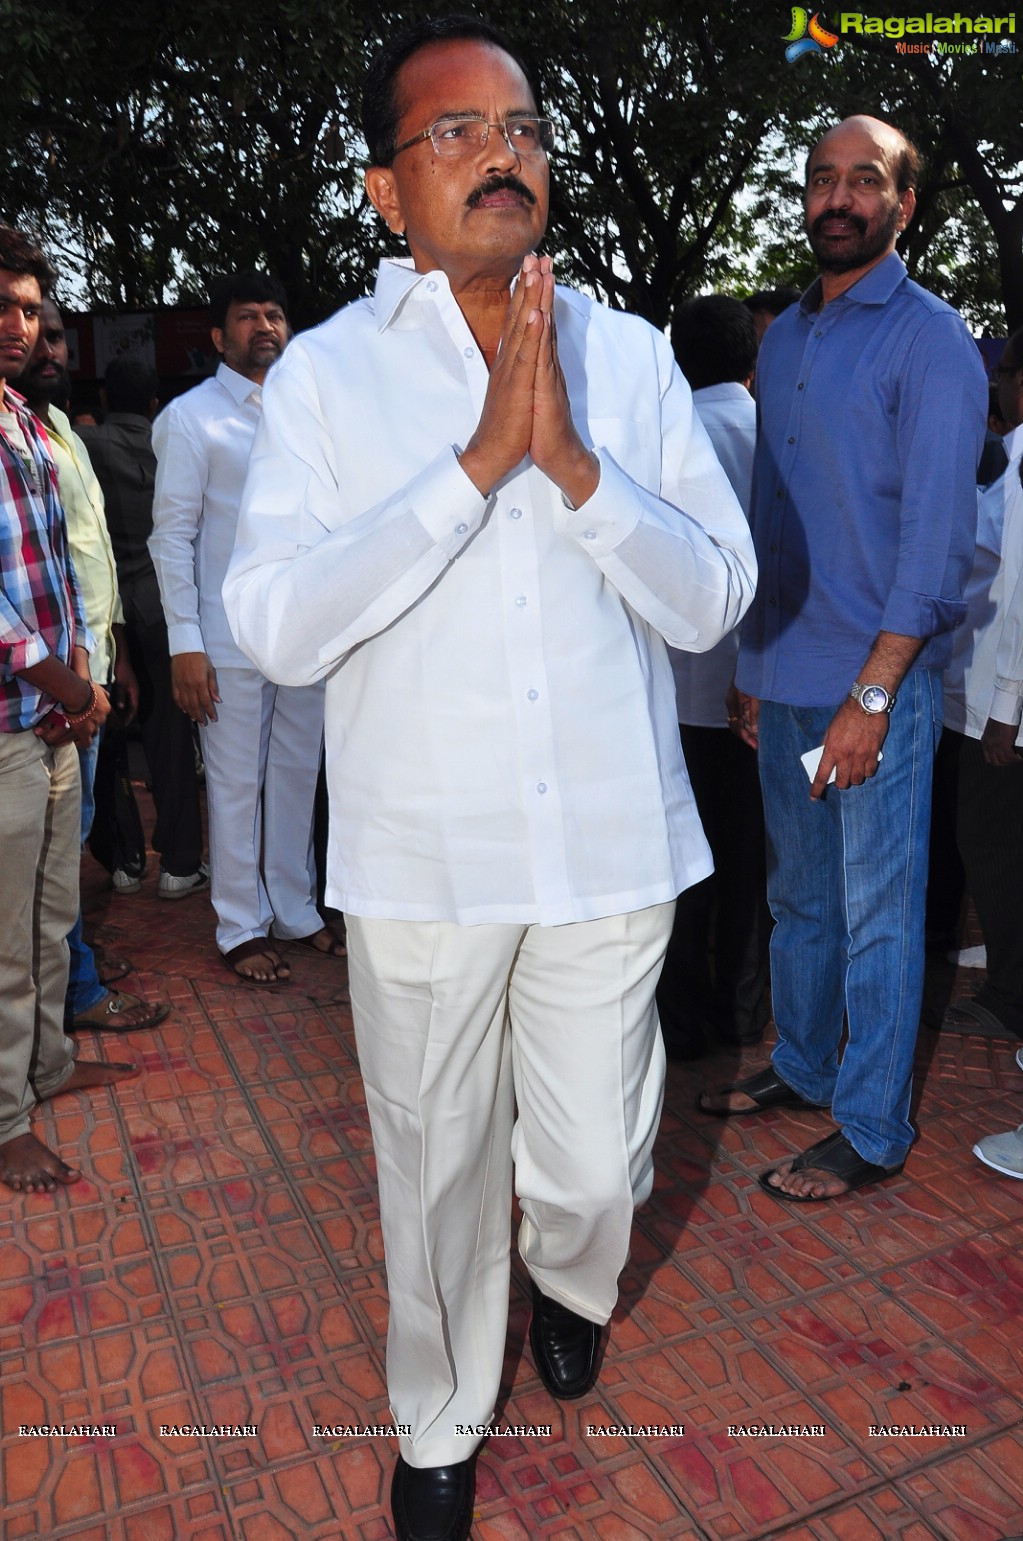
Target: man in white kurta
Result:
[[261, 745], [516, 819]]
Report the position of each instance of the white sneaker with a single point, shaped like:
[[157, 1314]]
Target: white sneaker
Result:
[[170, 887], [969, 957], [1004, 1152], [124, 883]]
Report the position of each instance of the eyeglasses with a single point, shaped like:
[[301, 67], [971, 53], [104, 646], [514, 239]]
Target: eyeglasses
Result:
[[467, 135]]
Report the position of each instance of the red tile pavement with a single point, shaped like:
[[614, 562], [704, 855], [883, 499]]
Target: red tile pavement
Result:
[[221, 1263]]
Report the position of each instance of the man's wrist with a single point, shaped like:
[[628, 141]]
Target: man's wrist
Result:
[[81, 713], [872, 699]]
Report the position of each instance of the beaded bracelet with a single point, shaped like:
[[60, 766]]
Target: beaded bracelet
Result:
[[75, 719]]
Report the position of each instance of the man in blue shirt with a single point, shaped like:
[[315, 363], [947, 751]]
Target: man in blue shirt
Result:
[[873, 402]]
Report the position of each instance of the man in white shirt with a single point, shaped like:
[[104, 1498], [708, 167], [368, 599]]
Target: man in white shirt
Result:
[[983, 707], [465, 509], [713, 984], [261, 745]]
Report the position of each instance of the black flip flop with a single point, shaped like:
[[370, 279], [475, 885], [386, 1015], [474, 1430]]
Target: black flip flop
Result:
[[767, 1089], [836, 1156]]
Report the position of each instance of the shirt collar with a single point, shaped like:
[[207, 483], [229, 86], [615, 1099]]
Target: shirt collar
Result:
[[11, 400], [1013, 442], [239, 386], [397, 279], [725, 390], [874, 288]]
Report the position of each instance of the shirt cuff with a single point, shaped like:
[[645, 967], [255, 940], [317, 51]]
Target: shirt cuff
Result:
[[447, 504], [24, 653], [920, 615], [608, 516], [184, 637], [1007, 702]]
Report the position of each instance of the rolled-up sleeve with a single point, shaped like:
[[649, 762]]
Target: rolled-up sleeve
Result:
[[940, 429]]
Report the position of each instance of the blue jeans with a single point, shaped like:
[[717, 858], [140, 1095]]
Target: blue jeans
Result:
[[846, 882], [83, 985]]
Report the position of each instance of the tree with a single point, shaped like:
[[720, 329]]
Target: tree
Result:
[[158, 144]]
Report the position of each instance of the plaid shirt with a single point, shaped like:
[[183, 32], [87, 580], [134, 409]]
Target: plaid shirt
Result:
[[40, 606]]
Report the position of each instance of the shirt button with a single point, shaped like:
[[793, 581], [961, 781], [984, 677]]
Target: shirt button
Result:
[[460, 529], [774, 545], [773, 604], [521, 600], [589, 535], [541, 787], [818, 334], [432, 287], [533, 695], [791, 439], [799, 387], [779, 493], [469, 352], [514, 513]]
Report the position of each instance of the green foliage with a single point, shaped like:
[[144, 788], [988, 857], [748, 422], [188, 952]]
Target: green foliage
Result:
[[155, 145]]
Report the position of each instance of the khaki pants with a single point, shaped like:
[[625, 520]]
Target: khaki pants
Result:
[[459, 1028], [40, 815]]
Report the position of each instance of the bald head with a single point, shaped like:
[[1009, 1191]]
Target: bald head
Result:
[[901, 154]]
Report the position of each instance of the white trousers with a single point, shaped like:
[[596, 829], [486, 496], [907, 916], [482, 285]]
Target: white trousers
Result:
[[262, 758], [457, 1026]]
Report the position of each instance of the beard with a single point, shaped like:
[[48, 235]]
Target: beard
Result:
[[53, 390], [263, 352], [844, 253]]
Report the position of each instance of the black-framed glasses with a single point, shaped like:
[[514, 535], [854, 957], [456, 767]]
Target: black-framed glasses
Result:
[[467, 134]]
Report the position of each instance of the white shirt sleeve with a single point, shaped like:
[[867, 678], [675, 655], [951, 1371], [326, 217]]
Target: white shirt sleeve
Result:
[[311, 579], [307, 583], [1007, 698], [181, 474], [684, 561]]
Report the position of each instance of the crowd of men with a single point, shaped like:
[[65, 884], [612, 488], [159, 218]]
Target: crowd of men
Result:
[[492, 541]]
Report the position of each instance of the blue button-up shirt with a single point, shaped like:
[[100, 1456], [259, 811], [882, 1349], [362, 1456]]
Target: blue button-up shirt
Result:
[[872, 416]]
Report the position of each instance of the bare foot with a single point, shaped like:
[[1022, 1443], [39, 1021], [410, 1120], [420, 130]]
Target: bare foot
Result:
[[728, 1101], [257, 962], [91, 1072], [28, 1167], [809, 1183], [323, 941]]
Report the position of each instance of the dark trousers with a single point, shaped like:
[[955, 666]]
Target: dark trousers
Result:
[[716, 967], [989, 828], [170, 751]]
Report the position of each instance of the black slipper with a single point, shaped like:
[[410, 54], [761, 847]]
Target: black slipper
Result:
[[257, 947], [767, 1089], [838, 1158]]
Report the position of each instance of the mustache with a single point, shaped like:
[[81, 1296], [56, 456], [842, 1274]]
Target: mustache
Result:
[[856, 220], [506, 184]]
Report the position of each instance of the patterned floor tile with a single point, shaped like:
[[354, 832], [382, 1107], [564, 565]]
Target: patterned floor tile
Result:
[[219, 1269]]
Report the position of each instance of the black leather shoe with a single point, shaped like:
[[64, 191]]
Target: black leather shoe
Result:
[[565, 1348], [433, 1503]]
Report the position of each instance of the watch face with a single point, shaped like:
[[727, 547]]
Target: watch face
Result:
[[874, 698]]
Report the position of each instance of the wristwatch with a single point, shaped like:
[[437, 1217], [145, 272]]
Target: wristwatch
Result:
[[874, 699]]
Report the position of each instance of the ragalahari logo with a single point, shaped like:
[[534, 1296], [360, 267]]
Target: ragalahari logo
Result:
[[807, 35]]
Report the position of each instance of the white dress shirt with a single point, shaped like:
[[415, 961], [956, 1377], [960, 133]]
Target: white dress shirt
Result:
[[202, 442], [985, 676], [729, 414], [501, 735]]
